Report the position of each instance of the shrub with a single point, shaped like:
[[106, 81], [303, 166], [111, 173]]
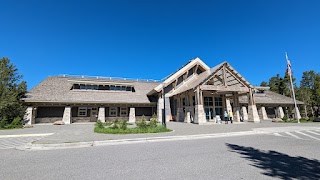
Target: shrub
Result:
[[153, 121], [142, 123], [115, 124], [99, 124], [285, 119], [123, 124]]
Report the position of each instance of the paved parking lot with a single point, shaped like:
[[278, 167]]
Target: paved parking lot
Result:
[[84, 132]]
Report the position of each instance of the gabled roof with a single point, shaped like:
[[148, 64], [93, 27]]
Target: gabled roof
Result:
[[56, 89], [181, 71], [203, 77], [269, 97]]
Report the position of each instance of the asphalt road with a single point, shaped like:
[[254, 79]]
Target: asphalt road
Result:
[[281, 156]]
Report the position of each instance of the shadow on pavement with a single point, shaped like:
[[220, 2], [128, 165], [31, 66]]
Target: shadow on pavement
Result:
[[279, 165]]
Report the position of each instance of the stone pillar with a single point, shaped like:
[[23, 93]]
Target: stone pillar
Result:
[[132, 115], [280, 113], [187, 118], [200, 116], [244, 113], [228, 105], [187, 114], [263, 113], [159, 109], [297, 113], [236, 114], [253, 114], [67, 115], [179, 114], [29, 117], [101, 114], [168, 109]]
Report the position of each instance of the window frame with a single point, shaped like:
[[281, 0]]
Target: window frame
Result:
[[113, 109], [82, 110], [123, 109]]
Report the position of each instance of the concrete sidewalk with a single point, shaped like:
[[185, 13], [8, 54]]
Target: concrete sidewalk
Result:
[[84, 132]]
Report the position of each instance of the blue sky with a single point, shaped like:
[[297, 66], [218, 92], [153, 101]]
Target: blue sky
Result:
[[151, 39]]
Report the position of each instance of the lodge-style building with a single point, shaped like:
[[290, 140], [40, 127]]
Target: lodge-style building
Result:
[[194, 94]]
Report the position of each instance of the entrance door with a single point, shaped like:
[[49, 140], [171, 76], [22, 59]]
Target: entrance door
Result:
[[94, 114], [209, 113]]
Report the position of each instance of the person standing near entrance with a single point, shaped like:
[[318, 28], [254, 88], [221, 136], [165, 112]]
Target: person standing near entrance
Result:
[[226, 118], [230, 116]]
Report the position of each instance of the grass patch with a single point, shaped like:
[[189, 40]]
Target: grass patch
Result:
[[136, 130], [302, 120], [120, 127]]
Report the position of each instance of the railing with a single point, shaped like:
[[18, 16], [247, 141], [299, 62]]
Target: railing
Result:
[[108, 78]]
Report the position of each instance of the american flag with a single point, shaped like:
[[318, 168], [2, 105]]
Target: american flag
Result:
[[288, 65]]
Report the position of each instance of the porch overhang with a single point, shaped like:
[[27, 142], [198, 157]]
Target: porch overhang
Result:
[[223, 88]]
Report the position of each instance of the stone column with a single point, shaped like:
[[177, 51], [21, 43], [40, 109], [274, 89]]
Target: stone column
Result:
[[297, 113], [252, 108], [200, 116], [132, 115], [159, 109], [263, 113], [168, 109], [29, 117], [187, 118], [101, 114], [253, 114], [179, 114], [236, 108], [67, 115], [228, 105], [280, 113], [244, 113]]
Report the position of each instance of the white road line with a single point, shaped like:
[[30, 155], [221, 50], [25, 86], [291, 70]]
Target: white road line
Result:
[[307, 135], [313, 133], [295, 136], [277, 134], [25, 135]]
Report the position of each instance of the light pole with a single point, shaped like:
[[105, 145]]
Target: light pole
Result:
[[164, 107]]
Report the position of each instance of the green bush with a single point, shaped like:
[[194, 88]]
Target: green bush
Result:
[[115, 124], [135, 130], [99, 124], [153, 121], [123, 124], [142, 123], [285, 119]]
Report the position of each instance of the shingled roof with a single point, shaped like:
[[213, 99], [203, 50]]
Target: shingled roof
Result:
[[269, 97], [57, 89]]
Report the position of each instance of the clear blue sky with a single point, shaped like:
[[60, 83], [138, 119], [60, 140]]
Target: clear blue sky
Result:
[[151, 39]]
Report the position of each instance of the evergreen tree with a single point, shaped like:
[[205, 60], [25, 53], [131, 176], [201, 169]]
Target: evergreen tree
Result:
[[264, 84], [12, 89]]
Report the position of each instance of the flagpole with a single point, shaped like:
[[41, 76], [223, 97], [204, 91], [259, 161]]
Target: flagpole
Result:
[[293, 94]]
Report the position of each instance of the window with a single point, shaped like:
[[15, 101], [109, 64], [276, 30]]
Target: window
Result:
[[123, 88], [218, 101], [82, 86], [113, 111], [112, 88], [82, 111], [208, 101], [123, 111]]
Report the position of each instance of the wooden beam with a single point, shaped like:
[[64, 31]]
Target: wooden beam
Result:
[[224, 75], [223, 88]]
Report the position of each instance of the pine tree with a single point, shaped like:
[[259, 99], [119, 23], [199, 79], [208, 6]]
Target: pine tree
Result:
[[12, 90]]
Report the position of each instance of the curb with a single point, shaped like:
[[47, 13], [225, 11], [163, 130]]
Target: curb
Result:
[[32, 146]]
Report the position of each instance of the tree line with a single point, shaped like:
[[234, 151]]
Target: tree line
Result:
[[308, 91]]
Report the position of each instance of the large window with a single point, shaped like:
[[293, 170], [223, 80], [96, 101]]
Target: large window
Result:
[[82, 111], [123, 111], [208, 101], [113, 111], [218, 101]]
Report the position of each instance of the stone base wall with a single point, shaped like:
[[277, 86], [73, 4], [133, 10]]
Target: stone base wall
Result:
[[48, 119], [111, 119], [80, 119]]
